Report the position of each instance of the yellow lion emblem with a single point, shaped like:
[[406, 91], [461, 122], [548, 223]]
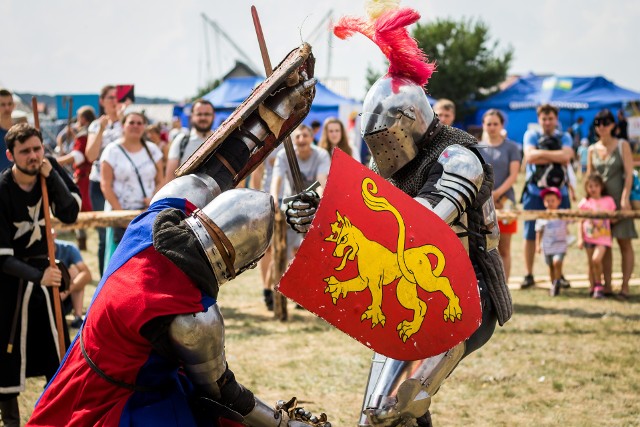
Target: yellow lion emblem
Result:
[[378, 266]]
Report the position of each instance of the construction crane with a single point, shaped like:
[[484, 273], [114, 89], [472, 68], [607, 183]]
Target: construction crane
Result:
[[220, 32], [323, 28]]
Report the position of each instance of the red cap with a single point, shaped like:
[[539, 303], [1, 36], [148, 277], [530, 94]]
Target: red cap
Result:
[[551, 190]]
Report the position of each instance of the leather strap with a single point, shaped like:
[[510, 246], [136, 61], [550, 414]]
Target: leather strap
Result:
[[226, 164], [222, 242], [111, 380], [434, 128]]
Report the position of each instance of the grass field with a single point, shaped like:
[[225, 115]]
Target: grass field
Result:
[[569, 360]]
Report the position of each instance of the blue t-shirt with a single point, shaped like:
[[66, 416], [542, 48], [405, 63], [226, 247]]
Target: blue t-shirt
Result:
[[530, 139], [4, 162], [67, 253]]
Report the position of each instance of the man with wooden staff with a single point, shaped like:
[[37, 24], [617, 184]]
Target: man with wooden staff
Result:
[[28, 335]]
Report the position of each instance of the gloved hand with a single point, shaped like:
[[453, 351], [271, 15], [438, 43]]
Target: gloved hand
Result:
[[294, 96], [301, 209], [297, 416]]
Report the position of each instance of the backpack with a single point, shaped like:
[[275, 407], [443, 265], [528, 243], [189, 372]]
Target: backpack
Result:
[[183, 145], [552, 174]]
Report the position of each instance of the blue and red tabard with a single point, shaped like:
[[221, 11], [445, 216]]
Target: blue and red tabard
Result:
[[140, 284]]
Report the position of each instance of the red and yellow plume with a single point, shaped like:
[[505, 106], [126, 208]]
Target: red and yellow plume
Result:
[[386, 27]]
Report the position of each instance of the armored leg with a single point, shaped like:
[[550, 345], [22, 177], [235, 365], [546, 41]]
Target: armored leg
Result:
[[402, 391], [399, 392]]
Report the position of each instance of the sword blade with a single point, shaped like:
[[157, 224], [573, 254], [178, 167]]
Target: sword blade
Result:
[[294, 166]]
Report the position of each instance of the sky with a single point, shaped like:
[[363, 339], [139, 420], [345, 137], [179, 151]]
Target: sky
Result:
[[77, 46]]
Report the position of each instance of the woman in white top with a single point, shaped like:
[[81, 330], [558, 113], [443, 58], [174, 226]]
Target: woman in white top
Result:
[[131, 168], [102, 132], [334, 136]]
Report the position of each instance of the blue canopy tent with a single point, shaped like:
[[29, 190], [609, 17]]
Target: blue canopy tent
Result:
[[231, 92], [575, 96]]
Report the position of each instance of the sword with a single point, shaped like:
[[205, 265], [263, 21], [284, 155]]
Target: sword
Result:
[[298, 186]]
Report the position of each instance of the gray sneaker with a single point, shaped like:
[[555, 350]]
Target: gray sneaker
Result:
[[527, 282], [564, 283]]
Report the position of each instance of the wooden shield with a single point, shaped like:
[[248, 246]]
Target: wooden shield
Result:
[[297, 60], [383, 268]]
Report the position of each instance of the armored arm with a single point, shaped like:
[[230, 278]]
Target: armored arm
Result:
[[454, 184], [198, 340], [216, 174]]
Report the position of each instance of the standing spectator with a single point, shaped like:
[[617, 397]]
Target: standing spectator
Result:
[[315, 129], [583, 155], [576, 133], [446, 111], [154, 134], [72, 299], [611, 157], [504, 156], [6, 108], [261, 179], [314, 166], [537, 156], [102, 132], [551, 238], [81, 166], [27, 338], [131, 172], [184, 144], [334, 136], [595, 234], [622, 129], [64, 144], [176, 128]]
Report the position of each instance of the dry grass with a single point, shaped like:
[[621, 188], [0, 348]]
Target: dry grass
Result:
[[569, 360]]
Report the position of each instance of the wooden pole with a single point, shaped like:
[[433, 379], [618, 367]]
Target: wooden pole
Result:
[[296, 176], [279, 241], [51, 249]]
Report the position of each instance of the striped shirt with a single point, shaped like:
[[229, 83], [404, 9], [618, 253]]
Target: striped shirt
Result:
[[554, 235]]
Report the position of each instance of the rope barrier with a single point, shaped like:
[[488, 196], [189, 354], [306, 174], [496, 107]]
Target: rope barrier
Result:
[[123, 218]]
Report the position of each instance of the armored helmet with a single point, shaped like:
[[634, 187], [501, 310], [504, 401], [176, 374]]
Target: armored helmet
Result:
[[395, 117], [396, 113], [234, 230]]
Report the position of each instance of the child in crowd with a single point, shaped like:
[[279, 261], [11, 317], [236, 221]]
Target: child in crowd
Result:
[[551, 238], [595, 234], [72, 299], [583, 153]]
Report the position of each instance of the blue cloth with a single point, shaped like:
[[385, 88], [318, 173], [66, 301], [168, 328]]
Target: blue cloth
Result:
[[67, 253], [4, 162]]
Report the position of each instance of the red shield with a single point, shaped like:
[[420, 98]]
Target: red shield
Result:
[[382, 268]]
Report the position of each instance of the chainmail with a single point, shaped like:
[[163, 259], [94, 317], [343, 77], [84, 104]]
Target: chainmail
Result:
[[411, 177]]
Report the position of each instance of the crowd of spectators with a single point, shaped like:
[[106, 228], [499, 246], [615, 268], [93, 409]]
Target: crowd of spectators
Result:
[[114, 159]]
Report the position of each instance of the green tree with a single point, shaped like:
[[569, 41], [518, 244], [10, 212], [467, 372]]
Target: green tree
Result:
[[211, 85], [470, 66], [372, 76]]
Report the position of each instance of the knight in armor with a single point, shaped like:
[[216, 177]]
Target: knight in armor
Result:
[[151, 349], [442, 169]]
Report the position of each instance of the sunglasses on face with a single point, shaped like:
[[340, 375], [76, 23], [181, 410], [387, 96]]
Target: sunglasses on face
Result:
[[602, 122]]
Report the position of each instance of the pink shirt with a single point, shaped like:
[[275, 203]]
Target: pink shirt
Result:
[[597, 231]]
